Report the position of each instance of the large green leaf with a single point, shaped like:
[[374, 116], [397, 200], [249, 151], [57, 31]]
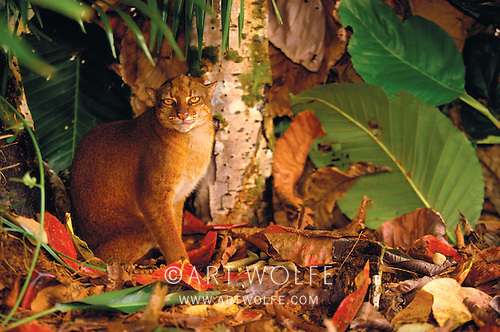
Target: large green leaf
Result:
[[433, 163], [83, 93], [417, 56], [130, 300]]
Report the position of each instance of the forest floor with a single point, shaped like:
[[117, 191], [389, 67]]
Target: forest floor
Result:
[[283, 279]]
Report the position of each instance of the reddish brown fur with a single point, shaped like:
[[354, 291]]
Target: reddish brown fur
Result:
[[129, 179]]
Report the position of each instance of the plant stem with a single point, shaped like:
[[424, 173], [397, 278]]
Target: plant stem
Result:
[[31, 318], [481, 108], [41, 186]]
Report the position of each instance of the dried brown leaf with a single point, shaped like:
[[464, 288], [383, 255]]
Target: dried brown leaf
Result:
[[329, 184], [404, 230], [290, 157], [139, 73], [290, 77], [299, 44], [418, 311], [368, 318]]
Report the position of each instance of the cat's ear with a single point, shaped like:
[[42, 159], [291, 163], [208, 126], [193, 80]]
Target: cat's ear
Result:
[[152, 94], [211, 88]]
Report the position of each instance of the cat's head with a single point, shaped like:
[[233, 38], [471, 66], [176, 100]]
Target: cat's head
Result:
[[183, 103]]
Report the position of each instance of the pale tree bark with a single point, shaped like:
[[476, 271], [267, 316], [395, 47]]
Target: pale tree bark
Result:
[[236, 182]]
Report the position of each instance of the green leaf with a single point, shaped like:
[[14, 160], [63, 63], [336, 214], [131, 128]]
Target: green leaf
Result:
[[417, 56], [83, 94], [188, 20], [23, 52], [226, 22], [136, 31], [75, 10], [433, 163], [130, 300], [107, 27], [28, 180]]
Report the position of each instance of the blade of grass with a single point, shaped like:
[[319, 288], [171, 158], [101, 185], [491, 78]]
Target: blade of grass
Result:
[[241, 19], [139, 37], [153, 34], [480, 108], [77, 11], [155, 17], [226, 22], [276, 10], [200, 27], [23, 52], [107, 27], [188, 20], [176, 16]]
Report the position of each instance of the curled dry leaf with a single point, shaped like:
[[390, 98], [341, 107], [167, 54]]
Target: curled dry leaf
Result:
[[304, 248], [139, 73], [290, 157], [290, 77], [368, 318], [485, 267], [404, 230], [428, 245], [327, 185], [299, 44]]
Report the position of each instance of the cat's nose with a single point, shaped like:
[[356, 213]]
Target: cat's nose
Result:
[[183, 116]]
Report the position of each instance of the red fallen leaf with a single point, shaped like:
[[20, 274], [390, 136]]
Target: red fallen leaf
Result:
[[485, 267], [351, 304], [201, 256], [229, 276], [60, 240], [406, 229], [32, 327], [425, 247], [193, 225], [37, 281], [181, 271], [301, 247]]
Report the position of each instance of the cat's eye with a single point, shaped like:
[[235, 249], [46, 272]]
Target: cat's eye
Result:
[[168, 101], [194, 100]]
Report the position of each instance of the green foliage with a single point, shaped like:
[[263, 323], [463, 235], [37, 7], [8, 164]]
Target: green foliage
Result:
[[433, 164], [18, 12], [84, 93], [129, 300], [482, 61], [417, 56]]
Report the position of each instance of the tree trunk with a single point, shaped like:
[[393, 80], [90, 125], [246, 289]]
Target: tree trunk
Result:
[[236, 183]]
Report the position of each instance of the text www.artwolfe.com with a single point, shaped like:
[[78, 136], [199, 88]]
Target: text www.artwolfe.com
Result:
[[302, 300]]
